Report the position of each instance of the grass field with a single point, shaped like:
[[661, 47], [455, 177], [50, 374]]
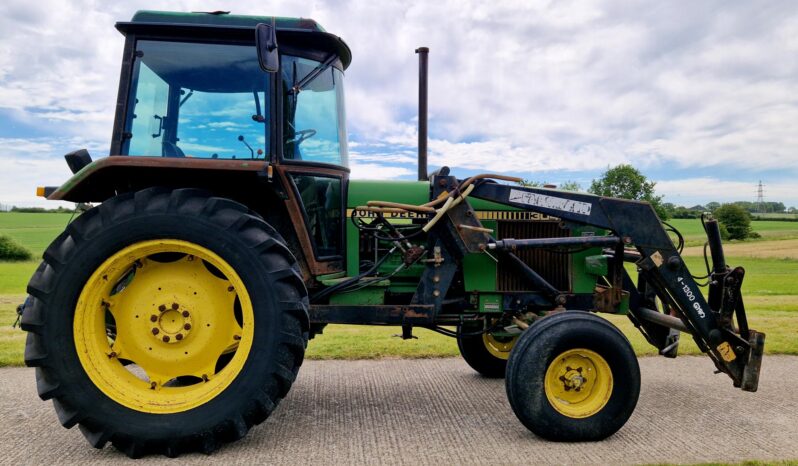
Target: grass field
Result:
[[770, 288], [694, 235], [34, 231]]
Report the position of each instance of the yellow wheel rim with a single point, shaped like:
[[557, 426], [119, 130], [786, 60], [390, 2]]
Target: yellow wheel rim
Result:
[[499, 346], [578, 383], [163, 326]]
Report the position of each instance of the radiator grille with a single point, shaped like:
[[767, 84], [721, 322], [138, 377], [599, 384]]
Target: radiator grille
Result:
[[555, 268]]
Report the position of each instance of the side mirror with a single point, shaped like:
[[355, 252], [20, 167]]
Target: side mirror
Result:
[[266, 42]]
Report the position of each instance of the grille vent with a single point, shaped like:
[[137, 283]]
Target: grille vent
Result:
[[555, 268]]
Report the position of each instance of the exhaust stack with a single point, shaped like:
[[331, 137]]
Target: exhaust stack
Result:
[[423, 60]]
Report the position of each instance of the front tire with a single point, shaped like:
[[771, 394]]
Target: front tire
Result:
[[166, 321], [486, 353], [573, 377]]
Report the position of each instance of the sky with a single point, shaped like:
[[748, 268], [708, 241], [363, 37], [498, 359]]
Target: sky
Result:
[[701, 97]]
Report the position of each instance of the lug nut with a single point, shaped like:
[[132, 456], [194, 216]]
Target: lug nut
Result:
[[155, 331], [153, 318], [166, 338], [162, 308], [175, 306], [230, 288], [179, 336], [187, 327], [185, 313]]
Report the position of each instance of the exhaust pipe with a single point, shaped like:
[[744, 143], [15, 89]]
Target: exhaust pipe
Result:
[[423, 60]]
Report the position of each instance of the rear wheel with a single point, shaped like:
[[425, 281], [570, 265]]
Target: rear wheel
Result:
[[573, 377], [486, 353], [166, 322]]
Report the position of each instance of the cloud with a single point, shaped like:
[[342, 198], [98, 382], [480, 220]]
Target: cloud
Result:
[[28, 163], [522, 87], [373, 171]]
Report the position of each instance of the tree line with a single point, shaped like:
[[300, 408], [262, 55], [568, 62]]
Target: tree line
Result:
[[39, 210]]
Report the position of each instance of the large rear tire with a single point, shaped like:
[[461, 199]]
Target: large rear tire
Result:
[[166, 321], [573, 377]]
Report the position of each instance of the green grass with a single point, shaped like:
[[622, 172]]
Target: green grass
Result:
[[763, 276], [744, 463], [770, 290], [14, 276], [372, 342], [12, 340], [32, 230], [776, 316]]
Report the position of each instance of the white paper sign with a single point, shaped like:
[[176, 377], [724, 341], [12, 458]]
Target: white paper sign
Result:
[[549, 202]]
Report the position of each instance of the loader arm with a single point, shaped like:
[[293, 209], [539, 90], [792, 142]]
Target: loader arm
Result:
[[735, 351]]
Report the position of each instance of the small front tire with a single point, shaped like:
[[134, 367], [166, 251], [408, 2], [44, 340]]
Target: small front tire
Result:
[[573, 377]]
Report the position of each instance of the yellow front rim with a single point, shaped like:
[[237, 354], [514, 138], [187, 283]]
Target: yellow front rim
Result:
[[163, 326], [499, 346], [578, 383]]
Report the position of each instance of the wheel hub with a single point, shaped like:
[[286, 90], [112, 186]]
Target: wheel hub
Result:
[[172, 324], [578, 383], [573, 379], [158, 330]]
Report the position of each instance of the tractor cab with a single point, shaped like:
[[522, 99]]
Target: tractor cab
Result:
[[194, 85], [202, 90]]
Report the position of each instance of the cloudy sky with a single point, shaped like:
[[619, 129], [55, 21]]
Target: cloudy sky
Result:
[[701, 96]]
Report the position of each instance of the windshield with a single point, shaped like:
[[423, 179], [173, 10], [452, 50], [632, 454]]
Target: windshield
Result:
[[197, 100], [314, 120]]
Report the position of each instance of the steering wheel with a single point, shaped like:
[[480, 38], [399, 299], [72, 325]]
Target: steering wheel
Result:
[[302, 135]]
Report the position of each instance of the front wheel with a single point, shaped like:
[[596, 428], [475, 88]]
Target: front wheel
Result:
[[573, 377], [166, 321], [486, 353]]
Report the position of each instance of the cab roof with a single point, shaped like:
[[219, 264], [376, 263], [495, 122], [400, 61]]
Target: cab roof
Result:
[[303, 32], [223, 18]]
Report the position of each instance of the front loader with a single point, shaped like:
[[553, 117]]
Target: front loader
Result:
[[174, 314]]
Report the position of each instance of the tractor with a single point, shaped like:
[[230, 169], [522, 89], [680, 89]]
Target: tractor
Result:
[[224, 233]]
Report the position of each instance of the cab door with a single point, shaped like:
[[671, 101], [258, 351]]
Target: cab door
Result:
[[313, 157]]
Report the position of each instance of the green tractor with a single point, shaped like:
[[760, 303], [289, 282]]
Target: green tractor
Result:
[[174, 315]]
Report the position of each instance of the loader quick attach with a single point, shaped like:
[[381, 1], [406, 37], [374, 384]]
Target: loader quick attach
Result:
[[174, 314]]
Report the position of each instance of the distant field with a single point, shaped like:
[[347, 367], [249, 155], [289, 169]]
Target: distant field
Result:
[[34, 231], [783, 249], [779, 216], [694, 234]]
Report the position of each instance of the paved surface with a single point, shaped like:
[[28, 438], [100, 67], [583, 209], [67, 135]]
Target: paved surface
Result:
[[439, 412]]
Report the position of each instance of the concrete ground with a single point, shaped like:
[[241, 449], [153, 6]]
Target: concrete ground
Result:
[[438, 411]]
